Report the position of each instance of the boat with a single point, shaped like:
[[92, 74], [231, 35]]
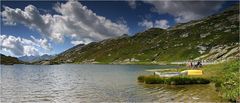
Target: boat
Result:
[[192, 72], [167, 74], [173, 74]]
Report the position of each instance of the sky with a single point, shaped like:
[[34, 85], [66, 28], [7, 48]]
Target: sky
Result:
[[51, 27]]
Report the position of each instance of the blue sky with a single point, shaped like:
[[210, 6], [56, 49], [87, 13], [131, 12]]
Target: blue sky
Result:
[[42, 27]]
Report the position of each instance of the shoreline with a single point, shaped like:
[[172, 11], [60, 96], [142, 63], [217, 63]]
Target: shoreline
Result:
[[126, 63], [220, 74]]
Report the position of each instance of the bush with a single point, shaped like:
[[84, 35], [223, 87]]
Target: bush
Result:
[[153, 80], [180, 80], [141, 78]]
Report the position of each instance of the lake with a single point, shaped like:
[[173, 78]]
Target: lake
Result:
[[93, 83]]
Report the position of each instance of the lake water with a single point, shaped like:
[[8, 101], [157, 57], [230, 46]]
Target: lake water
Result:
[[92, 83]]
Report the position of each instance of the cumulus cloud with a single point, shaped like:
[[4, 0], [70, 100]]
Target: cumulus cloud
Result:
[[75, 42], [132, 4], [162, 24], [29, 16], [72, 19], [42, 43], [146, 24], [84, 41], [30, 50], [20, 46], [184, 11], [157, 24]]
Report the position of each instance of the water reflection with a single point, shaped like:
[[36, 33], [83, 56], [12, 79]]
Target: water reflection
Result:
[[92, 83]]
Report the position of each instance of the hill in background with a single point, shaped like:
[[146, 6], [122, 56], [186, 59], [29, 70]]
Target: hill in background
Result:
[[8, 60], [214, 38]]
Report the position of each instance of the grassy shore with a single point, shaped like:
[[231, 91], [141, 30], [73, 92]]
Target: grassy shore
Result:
[[226, 77]]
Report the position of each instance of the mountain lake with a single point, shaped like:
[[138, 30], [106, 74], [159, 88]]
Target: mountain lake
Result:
[[93, 83]]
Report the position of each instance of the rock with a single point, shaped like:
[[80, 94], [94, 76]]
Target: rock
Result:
[[228, 30], [89, 61], [134, 60], [202, 49], [204, 35], [216, 25], [176, 45], [45, 62], [233, 18], [69, 61], [154, 62], [232, 51], [184, 35], [126, 60]]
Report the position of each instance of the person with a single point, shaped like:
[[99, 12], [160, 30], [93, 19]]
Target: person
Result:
[[190, 64], [199, 64]]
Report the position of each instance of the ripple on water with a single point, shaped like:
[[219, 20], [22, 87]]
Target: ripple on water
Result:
[[92, 83]]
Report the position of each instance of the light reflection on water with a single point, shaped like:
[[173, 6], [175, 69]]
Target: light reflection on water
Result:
[[92, 83]]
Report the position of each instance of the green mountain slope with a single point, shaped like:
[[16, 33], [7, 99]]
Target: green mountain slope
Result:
[[213, 38], [8, 60]]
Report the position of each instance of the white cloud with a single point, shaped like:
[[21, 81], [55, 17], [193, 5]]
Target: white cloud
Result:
[[157, 24], [145, 23], [29, 17], [183, 11], [73, 19], [84, 41], [75, 42], [42, 43], [20, 46], [162, 24], [132, 4], [30, 50]]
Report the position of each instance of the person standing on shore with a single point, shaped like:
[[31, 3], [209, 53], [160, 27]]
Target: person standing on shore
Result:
[[199, 64], [190, 64]]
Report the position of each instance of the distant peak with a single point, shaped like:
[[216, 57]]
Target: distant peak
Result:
[[155, 29], [125, 35]]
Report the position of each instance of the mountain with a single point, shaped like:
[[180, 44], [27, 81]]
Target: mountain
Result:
[[27, 58], [8, 60], [214, 38], [35, 58]]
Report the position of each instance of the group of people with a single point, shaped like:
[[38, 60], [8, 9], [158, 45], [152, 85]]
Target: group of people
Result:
[[194, 65]]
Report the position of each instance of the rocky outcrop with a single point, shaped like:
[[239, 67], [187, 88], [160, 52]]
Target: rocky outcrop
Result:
[[221, 53]]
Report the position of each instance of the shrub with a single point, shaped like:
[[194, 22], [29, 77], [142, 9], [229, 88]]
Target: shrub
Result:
[[180, 80], [153, 80], [141, 78]]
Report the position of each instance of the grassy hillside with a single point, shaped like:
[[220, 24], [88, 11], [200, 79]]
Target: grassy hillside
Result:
[[8, 60], [211, 38]]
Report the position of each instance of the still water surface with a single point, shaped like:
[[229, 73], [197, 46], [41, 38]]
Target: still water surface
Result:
[[92, 83]]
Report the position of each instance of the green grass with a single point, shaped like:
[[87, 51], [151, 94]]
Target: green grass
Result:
[[226, 77], [179, 80]]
